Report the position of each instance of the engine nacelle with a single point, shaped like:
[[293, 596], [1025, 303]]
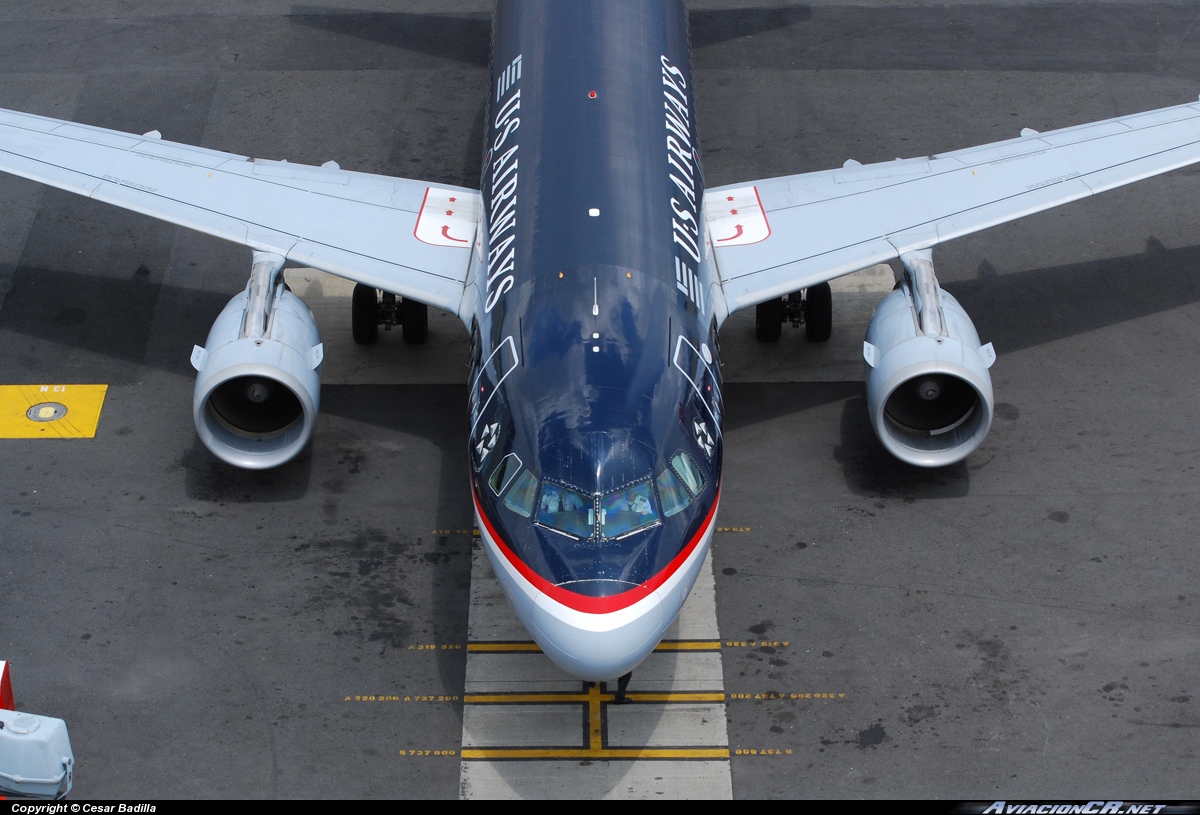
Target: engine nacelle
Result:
[[929, 393], [258, 391]]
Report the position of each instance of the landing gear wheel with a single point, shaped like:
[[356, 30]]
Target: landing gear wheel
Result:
[[414, 321], [364, 309], [768, 320], [818, 316]]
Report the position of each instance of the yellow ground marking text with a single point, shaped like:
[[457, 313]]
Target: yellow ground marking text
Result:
[[757, 643]]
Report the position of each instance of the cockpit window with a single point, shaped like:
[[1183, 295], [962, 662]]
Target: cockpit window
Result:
[[672, 493], [566, 510], [504, 472], [521, 497], [627, 511], [688, 472]]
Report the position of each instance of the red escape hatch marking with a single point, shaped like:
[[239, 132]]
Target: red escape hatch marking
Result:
[[446, 219], [739, 220]]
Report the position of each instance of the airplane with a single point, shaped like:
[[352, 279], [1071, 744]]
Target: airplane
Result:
[[594, 270]]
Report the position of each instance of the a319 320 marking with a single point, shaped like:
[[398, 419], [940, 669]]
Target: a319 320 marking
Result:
[[756, 644]]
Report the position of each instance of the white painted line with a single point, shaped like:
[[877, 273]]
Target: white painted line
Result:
[[697, 725], [600, 780], [516, 673], [541, 725], [680, 671]]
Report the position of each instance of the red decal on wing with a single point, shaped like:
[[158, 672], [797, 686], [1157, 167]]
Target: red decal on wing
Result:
[[734, 236], [446, 234]]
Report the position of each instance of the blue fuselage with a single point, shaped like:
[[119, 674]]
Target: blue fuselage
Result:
[[595, 406]]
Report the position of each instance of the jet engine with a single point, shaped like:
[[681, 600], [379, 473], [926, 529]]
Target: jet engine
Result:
[[929, 393], [258, 389]]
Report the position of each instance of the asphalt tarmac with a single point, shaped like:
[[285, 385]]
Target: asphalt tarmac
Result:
[[1024, 624]]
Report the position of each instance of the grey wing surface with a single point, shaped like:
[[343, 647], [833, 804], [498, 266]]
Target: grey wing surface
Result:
[[779, 235], [407, 237]]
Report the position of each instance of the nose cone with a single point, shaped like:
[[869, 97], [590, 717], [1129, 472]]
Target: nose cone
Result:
[[597, 638], [603, 646]]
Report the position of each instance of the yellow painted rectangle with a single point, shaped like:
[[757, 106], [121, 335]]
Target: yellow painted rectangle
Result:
[[532, 647], [523, 698], [688, 645], [503, 647], [83, 404], [558, 698], [602, 753]]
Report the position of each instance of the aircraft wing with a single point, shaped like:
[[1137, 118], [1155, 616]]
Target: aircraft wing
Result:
[[783, 234], [407, 237]]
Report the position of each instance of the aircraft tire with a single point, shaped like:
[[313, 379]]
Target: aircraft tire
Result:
[[768, 320], [818, 317], [414, 321], [363, 307]]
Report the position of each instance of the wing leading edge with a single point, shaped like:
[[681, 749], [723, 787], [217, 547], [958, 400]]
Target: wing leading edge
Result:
[[826, 224], [367, 228]]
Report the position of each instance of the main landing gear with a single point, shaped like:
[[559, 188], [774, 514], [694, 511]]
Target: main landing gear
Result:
[[813, 307], [370, 309]]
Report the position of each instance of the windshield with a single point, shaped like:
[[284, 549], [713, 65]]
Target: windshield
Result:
[[627, 511], [581, 515], [565, 510]]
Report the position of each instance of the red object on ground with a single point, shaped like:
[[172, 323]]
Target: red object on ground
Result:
[[6, 694]]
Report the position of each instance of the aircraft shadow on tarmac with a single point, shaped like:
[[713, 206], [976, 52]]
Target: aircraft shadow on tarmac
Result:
[[364, 551], [466, 37], [1015, 311], [1124, 37]]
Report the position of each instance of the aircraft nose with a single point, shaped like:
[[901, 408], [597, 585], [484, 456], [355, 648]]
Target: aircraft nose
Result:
[[598, 647], [589, 630], [614, 634]]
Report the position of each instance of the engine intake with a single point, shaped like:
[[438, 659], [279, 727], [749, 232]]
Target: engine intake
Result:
[[258, 391], [929, 393]]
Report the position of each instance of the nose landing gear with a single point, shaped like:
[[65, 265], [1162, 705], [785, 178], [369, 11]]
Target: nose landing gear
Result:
[[622, 686]]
